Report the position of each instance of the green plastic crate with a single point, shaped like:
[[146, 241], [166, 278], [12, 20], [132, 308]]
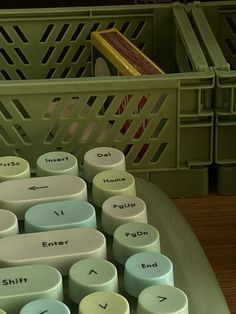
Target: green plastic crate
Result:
[[49, 101], [215, 26]]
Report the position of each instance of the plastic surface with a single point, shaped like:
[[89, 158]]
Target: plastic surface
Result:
[[215, 24], [192, 271], [49, 101]]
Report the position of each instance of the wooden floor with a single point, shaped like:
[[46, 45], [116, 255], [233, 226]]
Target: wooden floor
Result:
[[213, 220]]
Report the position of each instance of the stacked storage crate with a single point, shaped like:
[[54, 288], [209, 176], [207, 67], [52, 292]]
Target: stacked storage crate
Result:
[[215, 25], [50, 101]]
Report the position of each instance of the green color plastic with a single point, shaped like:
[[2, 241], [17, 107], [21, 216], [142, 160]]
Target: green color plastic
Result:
[[49, 101], [215, 26]]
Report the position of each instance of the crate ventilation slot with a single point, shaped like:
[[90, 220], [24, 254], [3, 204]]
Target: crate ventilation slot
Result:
[[231, 23], [22, 134], [231, 46], [5, 136], [5, 113]]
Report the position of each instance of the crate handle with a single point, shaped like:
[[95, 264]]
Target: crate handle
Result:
[[205, 32], [189, 38]]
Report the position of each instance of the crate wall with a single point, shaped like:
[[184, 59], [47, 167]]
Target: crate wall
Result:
[[215, 26]]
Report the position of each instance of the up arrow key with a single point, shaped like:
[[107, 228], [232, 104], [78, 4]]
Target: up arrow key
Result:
[[92, 271], [17, 195]]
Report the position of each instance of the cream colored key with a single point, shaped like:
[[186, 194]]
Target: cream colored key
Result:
[[120, 209], [13, 167], [110, 183], [100, 159], [104, 302], [8, 223], [19, 195], [58, 248]]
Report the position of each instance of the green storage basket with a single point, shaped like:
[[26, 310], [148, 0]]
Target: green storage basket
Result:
[[215, 26], [49, 101]]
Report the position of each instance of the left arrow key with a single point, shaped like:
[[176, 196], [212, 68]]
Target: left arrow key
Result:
[[18, 195]]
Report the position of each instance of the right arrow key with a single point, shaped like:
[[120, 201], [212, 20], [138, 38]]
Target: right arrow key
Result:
[[162, 299]]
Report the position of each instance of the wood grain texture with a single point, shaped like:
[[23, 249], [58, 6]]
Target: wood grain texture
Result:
[[213, 219]]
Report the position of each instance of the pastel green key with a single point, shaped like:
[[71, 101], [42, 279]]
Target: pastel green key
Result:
[[2, 312], [56, 163], [90, 275], [112, 182], [162, 299], [45, 306], [8, 223], [22, 284], [60, 215], [104, 303], [147, 269], [13, 167], [134, 237]]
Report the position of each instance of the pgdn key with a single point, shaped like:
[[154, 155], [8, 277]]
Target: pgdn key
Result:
[[60, 248]]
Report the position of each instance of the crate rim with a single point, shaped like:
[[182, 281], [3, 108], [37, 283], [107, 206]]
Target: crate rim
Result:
[[73, 10]]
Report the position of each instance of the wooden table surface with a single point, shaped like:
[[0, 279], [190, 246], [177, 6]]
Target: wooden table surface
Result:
[[213, 219]]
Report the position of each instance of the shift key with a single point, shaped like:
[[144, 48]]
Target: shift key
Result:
[[22, 284], [57, 248], [19, 195]]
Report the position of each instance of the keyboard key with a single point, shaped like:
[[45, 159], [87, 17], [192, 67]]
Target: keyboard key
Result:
[[19, 195], [104, 303], [58, 248], [162, 299], [57, 163], [100, 159], [8, 223], [91, 275], [2, 312], [110, 183], [13, 167], [20, 285], [60, 215], [45, 306], [121, 209], [147, 269], [132, 238]]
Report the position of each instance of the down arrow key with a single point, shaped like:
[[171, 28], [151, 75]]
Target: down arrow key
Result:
[[103, 306], [104, 302]]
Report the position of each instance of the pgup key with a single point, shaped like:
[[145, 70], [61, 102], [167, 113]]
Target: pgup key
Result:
[[58, 248], [18, 195]]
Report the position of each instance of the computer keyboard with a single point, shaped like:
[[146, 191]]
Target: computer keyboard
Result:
[[96, 240]]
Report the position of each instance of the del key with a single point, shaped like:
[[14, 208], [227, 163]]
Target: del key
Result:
[[18, 195]]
